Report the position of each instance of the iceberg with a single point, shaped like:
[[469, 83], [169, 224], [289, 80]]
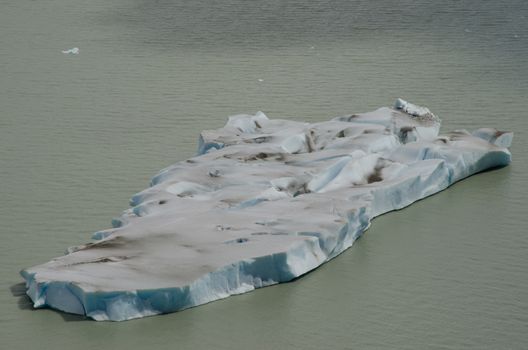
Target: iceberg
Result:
[[264, 202]]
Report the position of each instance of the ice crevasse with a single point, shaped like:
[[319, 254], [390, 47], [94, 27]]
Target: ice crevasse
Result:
[[263, 202]]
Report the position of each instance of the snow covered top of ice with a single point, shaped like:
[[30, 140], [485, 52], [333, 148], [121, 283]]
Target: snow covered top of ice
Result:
[[263, 202]]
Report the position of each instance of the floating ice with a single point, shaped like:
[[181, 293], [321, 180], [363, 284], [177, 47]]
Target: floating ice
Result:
[[72, 51], [264, 202]]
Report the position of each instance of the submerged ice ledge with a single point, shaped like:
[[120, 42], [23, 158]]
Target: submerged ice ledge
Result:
[[264, 202]]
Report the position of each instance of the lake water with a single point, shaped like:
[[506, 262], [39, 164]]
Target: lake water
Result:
[[79, 134]]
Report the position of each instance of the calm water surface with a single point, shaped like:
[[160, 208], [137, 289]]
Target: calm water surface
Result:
[[80, 134]]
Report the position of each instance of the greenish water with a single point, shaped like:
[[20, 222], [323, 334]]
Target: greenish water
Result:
[[80, 134]]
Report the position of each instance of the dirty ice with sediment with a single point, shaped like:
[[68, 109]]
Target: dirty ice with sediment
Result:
[[263, 202]]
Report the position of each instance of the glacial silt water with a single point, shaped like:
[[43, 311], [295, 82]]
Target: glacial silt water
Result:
[[79, 134]]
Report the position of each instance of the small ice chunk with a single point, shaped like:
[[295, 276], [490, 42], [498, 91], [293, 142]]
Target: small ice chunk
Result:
[[414, 110], [72, 51]]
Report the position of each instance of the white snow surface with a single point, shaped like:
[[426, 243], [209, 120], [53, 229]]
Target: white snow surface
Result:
[[264, 201]]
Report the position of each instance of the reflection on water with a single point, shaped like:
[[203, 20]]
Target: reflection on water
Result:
[[79, 134]]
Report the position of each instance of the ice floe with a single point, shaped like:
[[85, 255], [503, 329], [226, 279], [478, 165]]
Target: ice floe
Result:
[[264, 201]]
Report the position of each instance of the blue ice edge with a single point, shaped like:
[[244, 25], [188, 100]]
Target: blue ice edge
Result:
[[233, 279], [248, 274], [123, 305]]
